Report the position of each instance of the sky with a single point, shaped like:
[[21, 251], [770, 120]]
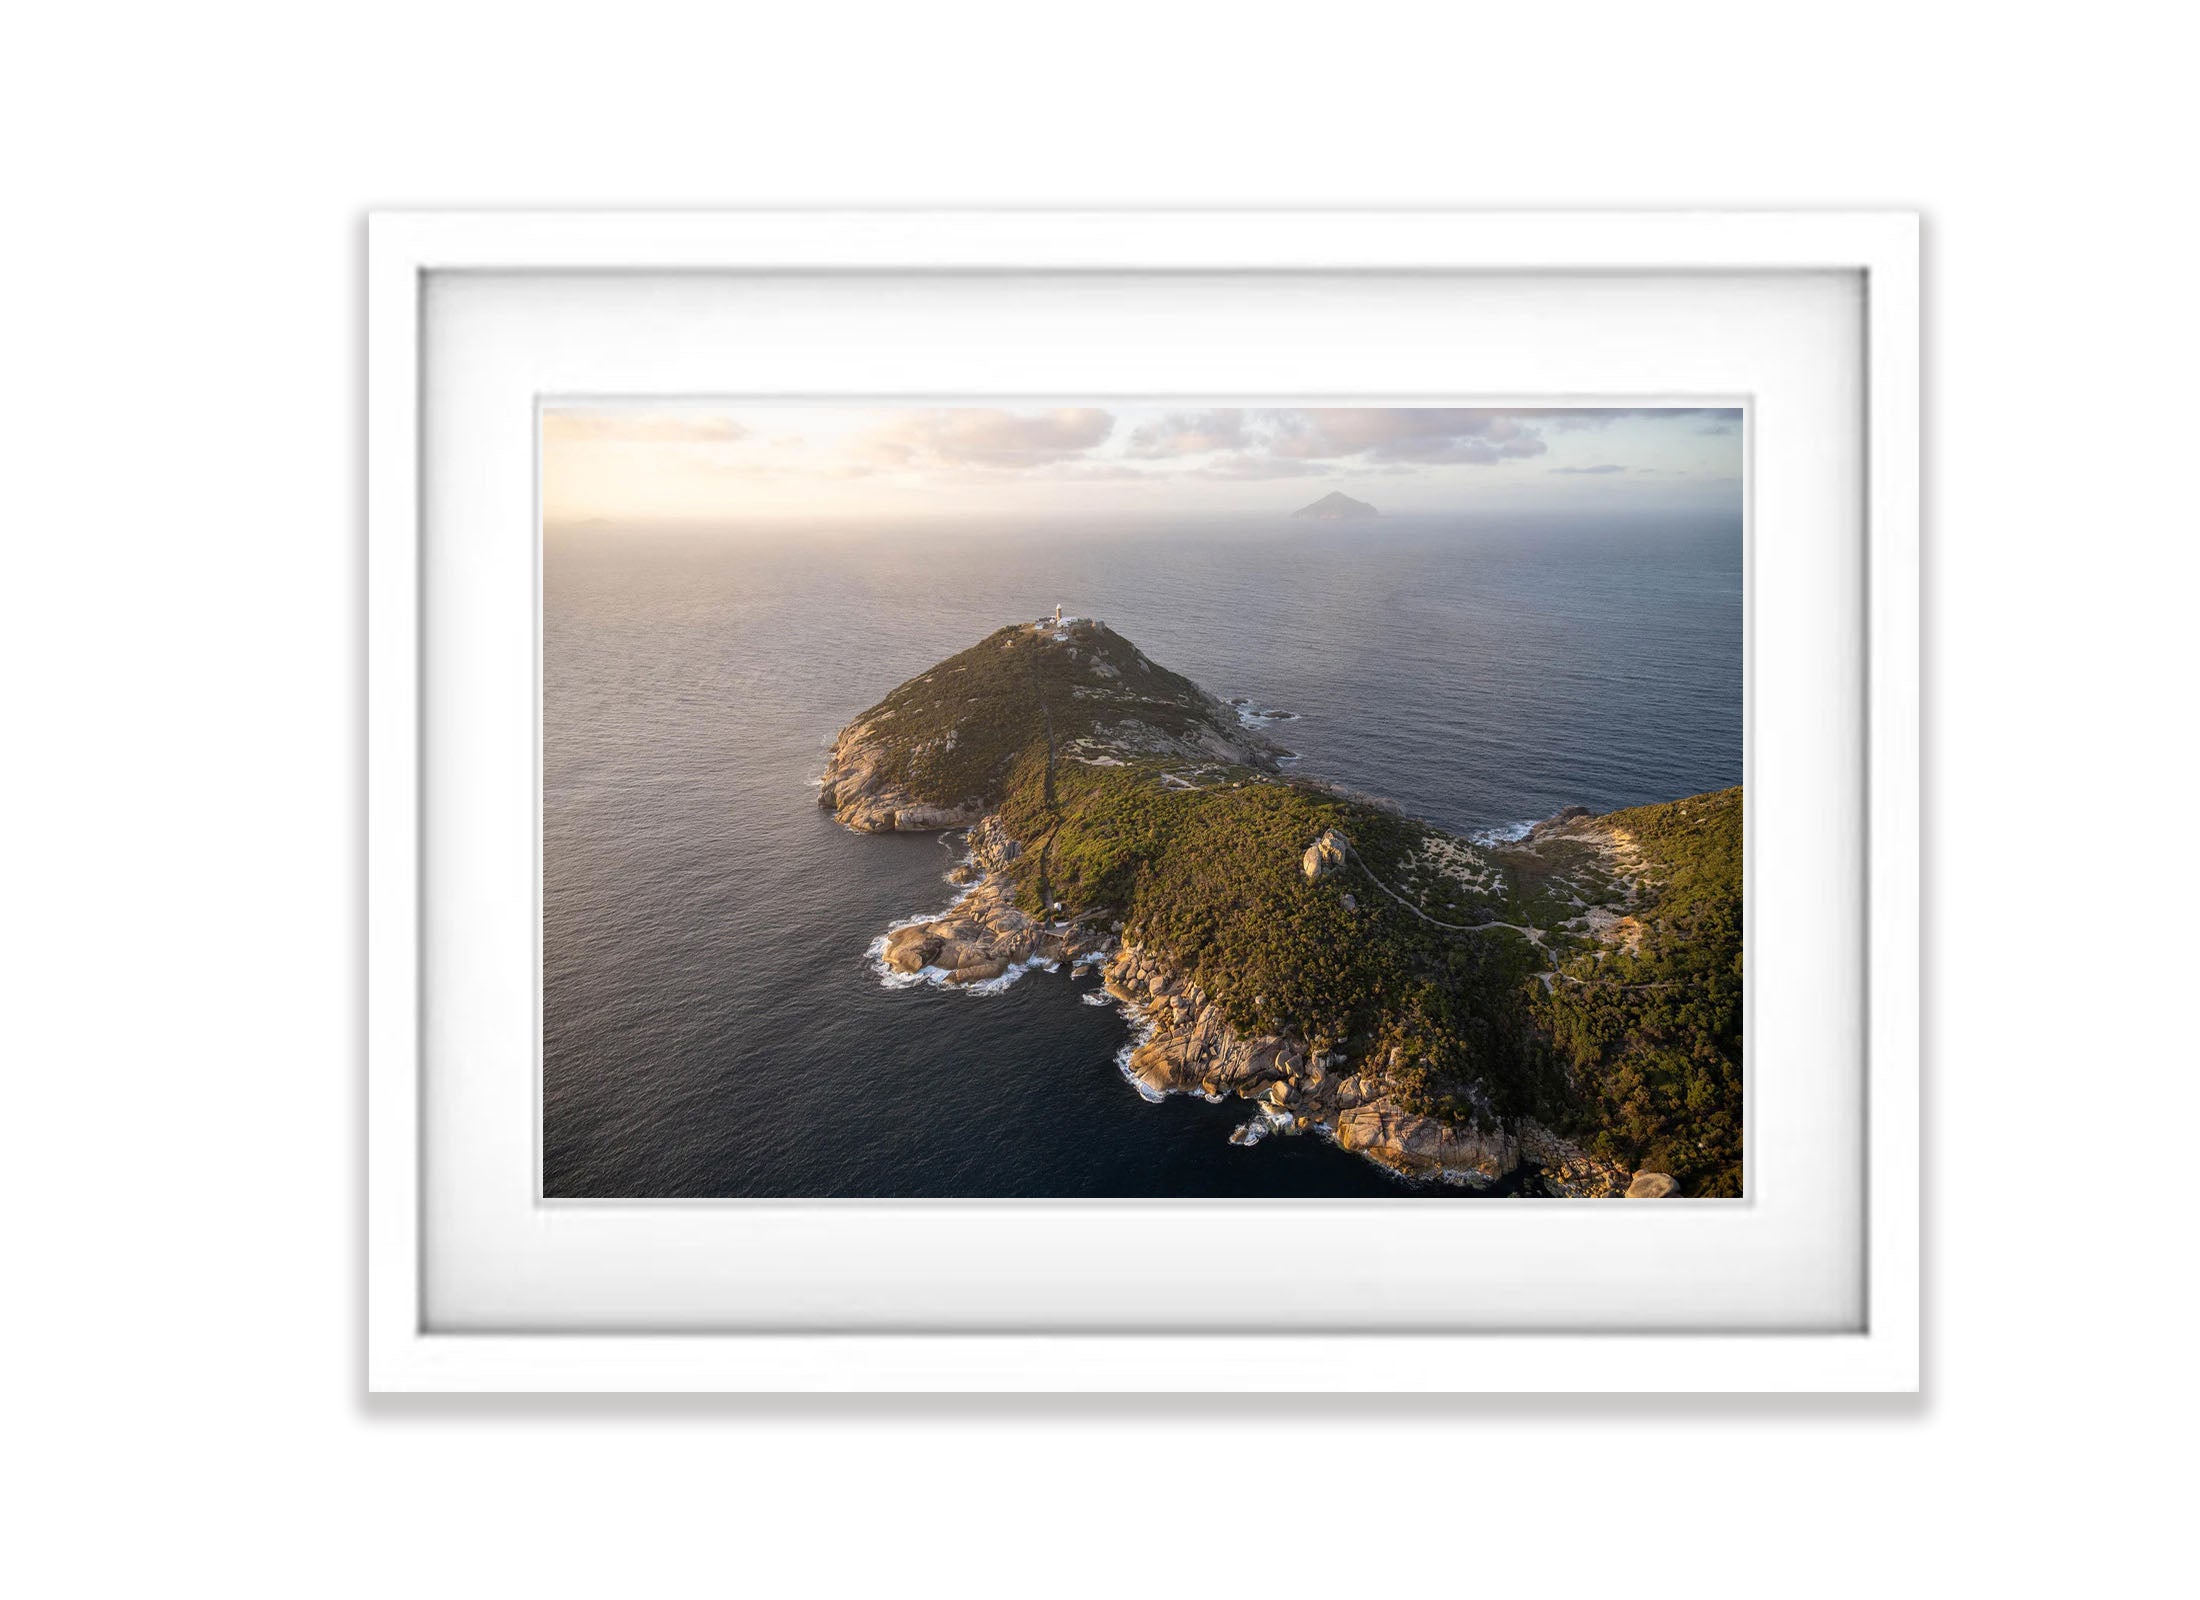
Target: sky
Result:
[[690, 463]]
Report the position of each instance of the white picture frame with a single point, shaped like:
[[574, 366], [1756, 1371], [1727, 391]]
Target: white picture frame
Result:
[[405, 250]]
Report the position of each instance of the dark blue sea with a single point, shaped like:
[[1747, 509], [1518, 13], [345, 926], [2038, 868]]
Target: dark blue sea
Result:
[[711, 1026]]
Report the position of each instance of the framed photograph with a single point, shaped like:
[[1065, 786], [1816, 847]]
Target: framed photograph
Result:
[[1314, 801]]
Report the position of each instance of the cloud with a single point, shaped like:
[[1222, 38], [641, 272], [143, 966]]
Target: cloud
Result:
[[1364, 439], [630, 452], [1100, 472], [1432, 434], [1719, 419], [572, 426], [1188, 433], [972, 436], [1250, 465]]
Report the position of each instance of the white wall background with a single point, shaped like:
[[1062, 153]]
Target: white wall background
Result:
[[180, 648]]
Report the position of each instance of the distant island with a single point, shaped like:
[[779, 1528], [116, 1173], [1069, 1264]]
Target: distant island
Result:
[[1562, 1010], [1337, 505]]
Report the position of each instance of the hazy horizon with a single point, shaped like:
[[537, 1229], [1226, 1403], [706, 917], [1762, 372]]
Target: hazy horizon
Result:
[[705, 464]]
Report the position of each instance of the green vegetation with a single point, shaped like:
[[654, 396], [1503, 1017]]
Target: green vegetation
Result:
[[1654, 1039], [1627, 1037], [958, 729], [1211, 878]]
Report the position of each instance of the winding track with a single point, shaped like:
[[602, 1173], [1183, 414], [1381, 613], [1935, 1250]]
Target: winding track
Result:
[[1534, 936], [1046, 842]]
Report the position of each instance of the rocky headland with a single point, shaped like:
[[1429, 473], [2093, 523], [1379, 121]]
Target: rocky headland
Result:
[[1444, 1007]]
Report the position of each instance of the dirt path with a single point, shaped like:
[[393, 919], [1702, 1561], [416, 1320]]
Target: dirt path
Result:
[[1534, 936], [1046, 840]]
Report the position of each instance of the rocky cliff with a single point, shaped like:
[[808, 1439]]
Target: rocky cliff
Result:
[[940, 750], [1441, 1006]]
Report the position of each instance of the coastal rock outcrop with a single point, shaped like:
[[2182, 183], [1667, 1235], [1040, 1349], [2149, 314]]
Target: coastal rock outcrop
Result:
[[992, 847], [1324, 856], [983, 935], [858, 789], [1115, 813], [1189, 1047], [1559, 822], [1417, 1145]]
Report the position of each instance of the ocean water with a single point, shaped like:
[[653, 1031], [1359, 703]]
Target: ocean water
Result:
[[711, 1026]]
